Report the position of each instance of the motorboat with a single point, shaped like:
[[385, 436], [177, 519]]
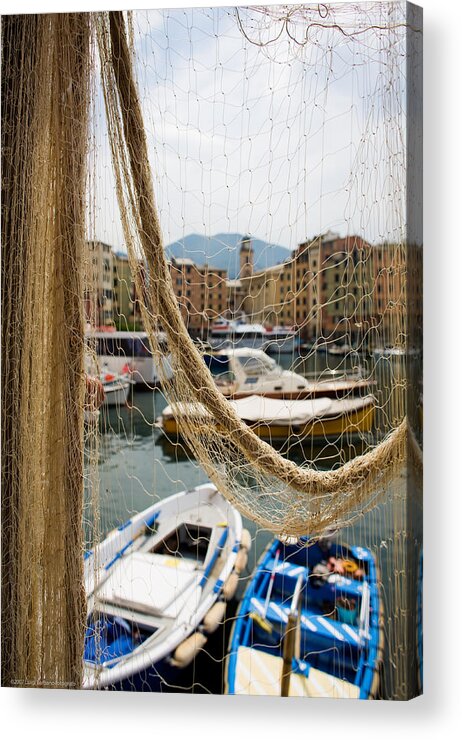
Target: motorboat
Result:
[[281, 340], [237, 334], [157, 586], [241, 372]]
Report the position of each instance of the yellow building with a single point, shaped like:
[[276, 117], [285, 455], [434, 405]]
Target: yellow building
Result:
[[98, 288], [125, 312], [261, 298], [201, 293]]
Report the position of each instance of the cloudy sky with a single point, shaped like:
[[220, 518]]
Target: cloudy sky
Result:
[[280, 141]]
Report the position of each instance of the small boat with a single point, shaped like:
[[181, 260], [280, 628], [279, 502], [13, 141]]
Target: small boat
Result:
[[237, 334], [277, 419], [389, 352], [309, 624], [339, 350], [397, 351], [157, 586], [116, 387], [119, 349], [243, 372], [281, 340]]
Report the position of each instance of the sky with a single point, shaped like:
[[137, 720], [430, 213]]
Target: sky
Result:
[[282, 142]]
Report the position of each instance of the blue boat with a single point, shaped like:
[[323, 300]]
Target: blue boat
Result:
[[309, 624]]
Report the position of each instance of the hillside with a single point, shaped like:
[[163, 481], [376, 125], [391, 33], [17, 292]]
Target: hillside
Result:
[[222, 251]]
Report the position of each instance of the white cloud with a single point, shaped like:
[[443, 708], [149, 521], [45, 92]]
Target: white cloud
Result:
[[260, 141]]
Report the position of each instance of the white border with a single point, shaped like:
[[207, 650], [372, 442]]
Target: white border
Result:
[[86, 714]]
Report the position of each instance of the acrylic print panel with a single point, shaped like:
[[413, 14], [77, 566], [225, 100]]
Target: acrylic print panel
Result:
[[220, 489]]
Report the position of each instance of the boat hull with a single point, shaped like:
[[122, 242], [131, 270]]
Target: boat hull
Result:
[[359, 421], [116, 394]]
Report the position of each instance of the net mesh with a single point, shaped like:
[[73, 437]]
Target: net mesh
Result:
[[214, 137]]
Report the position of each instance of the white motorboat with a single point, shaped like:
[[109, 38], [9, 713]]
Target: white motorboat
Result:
[[241, 372], [281, 340], [237, 334]]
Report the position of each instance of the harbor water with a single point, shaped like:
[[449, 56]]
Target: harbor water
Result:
[[137, 465]]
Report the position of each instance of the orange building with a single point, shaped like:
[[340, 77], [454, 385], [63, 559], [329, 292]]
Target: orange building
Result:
[[323, 290], [201, 293]]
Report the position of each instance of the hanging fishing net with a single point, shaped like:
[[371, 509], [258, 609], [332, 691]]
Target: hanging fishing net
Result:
[[187, 172]]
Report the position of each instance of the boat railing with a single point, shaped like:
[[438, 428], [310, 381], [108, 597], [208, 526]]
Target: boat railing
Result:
[[325, 376]]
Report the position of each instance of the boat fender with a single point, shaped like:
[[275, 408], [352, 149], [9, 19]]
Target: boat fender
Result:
[[214, 617], [246, 540], [349, 566], [229, 589], [188, 649], [241, 560]]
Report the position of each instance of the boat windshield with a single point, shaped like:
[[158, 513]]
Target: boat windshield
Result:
[[219, 367], [257, 365]]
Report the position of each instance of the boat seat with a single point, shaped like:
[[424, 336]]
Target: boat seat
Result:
[[335, 587], [287, 569], [259, 673], [317, 626], [330, 630], [150, 583]]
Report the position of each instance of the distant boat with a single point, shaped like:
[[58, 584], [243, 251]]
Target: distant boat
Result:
[[116, 387], [130, 349], [339, 350], [237, 334], [241, 372], [157, 586], [309, 624], [233, 333], [278, 419], [389, 351], [281, 340], [398, 351]]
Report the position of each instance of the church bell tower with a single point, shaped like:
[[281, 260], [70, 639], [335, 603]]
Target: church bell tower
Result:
[[246, 257]]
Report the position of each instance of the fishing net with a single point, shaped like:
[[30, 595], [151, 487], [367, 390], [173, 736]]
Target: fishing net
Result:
[[45, 96], [214, 137]]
